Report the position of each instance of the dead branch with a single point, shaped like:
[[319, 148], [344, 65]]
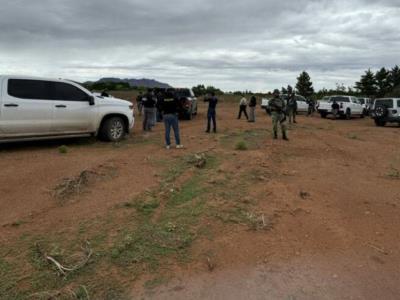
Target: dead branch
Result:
[[64, 270], [378, 249]]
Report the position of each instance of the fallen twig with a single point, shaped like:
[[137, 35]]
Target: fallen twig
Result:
[[65, 270], [378, 249]]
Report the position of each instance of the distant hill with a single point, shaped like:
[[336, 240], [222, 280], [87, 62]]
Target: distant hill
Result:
[[147, 83]]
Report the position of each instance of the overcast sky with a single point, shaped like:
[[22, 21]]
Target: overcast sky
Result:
[[231, 44]]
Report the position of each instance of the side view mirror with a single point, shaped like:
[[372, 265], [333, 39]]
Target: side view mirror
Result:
[[91, 100]]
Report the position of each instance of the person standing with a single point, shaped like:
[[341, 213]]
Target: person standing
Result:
[[311, 107], [335, 109], [243, 108], [291, 105], [149, 104], [139, 99], [169, 107], [211, 113], [277, 107], [252, 106]]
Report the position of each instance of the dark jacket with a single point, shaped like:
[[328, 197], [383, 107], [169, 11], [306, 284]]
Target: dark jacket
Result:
[[149, 100], [169, 105], [253, 102], [212, 102]]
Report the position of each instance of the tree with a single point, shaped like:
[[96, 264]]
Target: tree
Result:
[[199, 90], [367, 84], [394, 77], [304, 85], [284, 90], [383, 84]]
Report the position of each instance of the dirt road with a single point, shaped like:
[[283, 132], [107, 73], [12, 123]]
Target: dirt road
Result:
[[313, 218]]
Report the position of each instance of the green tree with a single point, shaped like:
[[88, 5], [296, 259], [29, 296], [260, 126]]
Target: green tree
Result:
[[394, 77], [199, 90], [304, 85], [367, 84], [383, 83]]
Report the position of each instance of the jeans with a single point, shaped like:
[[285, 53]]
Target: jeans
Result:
[[211, 116], [171, 120]]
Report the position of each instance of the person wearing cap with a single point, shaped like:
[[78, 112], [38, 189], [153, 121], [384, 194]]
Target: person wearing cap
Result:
[[277, 107], [149, 104], [291, 105], [211, 113]]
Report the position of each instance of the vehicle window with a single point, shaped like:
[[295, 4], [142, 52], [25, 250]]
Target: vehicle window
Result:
[[183, 93], [362, 101], [384, 102], [339, 99], [67, 92], [29, 89], [326, 98], [300, 98], [398, 103]]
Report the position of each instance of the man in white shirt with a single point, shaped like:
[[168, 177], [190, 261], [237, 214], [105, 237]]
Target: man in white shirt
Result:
[[243, 108]]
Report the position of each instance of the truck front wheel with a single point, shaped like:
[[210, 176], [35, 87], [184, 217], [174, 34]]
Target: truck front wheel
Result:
[[113, 129]]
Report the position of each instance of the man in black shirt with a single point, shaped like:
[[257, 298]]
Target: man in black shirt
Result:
[[211, 114], [252, 105], [169, 107]]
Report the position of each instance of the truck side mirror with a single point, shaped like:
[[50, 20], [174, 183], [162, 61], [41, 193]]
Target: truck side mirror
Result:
[[91, 100]]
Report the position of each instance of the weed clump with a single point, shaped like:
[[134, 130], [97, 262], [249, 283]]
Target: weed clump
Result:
[[63, 149], [241, 146]]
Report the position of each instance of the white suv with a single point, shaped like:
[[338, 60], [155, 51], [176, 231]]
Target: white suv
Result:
[[386, 110], [38, 108]]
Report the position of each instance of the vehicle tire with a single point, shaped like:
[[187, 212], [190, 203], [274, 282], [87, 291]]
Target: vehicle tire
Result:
[[348, 114], [381, 111], [380, 122], [113, 129], [323, 115]]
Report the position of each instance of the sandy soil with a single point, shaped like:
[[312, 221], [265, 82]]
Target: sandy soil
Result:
[[333, 192]]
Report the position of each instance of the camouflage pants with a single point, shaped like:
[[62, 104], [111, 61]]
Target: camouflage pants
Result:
[[276, 121], [292, 114]]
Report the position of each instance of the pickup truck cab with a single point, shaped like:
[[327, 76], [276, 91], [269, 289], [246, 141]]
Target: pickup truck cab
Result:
[[39, 108], [386, 110], [349, 106]]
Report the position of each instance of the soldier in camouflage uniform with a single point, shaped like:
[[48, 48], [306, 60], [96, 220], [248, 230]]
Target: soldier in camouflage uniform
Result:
[[277, 107]]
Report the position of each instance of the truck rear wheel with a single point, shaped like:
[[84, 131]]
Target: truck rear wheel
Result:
[[113, 129]]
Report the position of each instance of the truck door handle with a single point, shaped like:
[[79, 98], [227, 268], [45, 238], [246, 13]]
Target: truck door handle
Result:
[[61, 106], [11, 105]]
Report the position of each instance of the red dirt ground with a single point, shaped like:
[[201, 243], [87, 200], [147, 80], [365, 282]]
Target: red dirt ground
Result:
[[340, 240]]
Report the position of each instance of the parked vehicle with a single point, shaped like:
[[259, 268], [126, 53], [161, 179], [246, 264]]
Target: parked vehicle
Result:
[[349, 106], [302, 105], [187, 100], [386, 110], [188, 103], [264, 104], [366, 103], [39, 108]]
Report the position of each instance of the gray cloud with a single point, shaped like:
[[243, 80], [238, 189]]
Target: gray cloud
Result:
[[232, 44]]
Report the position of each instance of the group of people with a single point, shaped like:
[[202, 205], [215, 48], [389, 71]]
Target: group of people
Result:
[[243, 109], [165, 107]]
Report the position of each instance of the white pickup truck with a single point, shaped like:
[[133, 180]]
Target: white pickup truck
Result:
[[39, 108], [349, 106]]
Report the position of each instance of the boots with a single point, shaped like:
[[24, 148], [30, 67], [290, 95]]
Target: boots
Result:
[[284, 136]]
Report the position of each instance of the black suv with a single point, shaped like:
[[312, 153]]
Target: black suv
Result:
[[187, 101], [386, 110]]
